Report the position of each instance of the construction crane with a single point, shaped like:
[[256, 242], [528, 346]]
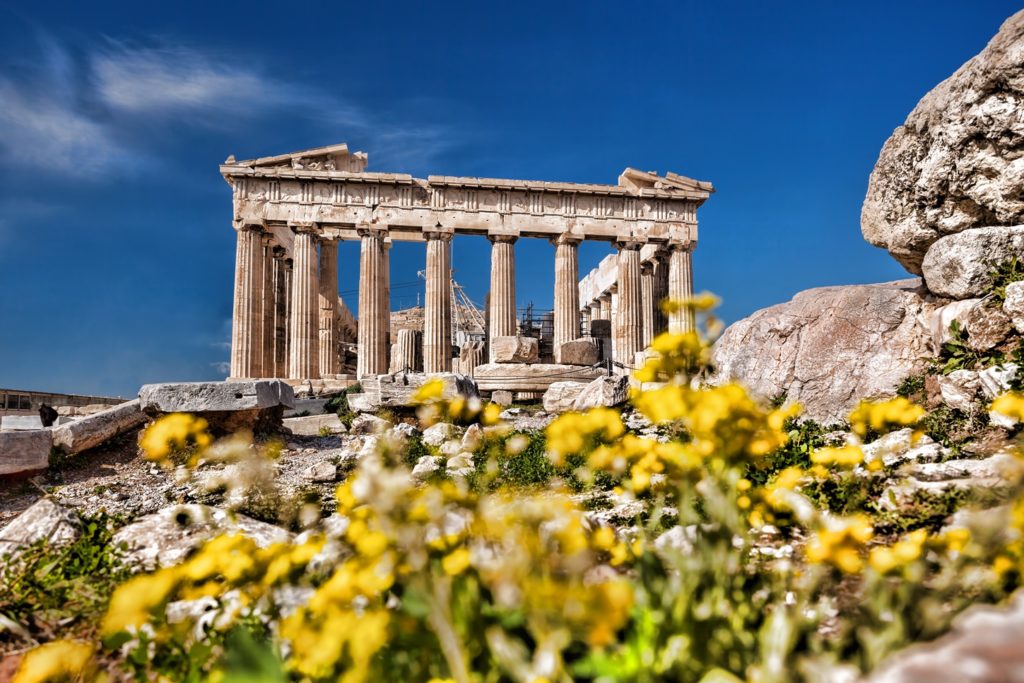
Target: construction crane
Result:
[[467, 317]]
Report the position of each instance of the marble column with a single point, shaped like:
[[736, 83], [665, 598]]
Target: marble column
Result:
[[502, 319], [330, 360], [267, 305], [660, 264], [437, 313], [567, 294], [647, 304], [628, 335], [304, 332], [385, 326], [372, 352], [282, 294], [604, 303], [680, 288], [246, 356]]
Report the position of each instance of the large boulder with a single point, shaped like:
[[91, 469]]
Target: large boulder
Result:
[[960, 266], [957, 162], [829, 347], [561, 396]]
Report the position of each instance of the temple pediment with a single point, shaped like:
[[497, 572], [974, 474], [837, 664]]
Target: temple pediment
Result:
[[329, 158]]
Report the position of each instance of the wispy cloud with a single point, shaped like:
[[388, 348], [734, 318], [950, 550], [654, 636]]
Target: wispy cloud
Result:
[[76, 116]]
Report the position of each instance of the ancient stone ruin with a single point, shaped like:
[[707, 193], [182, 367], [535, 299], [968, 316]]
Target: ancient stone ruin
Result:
[[290, 212]]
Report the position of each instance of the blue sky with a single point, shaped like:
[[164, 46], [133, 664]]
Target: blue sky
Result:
[[116, 249]]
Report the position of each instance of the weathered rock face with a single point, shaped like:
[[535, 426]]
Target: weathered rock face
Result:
[[515, 350], [1014, 305], [957, 162], [959, 266], [830, 347], [45, 519], [198, 397]]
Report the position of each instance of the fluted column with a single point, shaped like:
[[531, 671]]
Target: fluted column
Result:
[[647, 304], [604, 305], [660, 264], [282, 294], [628, 336], [502, 308], [246, 320], [265, 346], [437, 313], [385, 309], [372, 352], [680, 288], [304, 340], [567, 293], [330, 361]]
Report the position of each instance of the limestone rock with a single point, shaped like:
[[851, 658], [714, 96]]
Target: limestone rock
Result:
[[460, 465], [199, 397], [426, 466], [437, 434], [829, 347], [560, 396], [515, 350], [604, 392], [987, 326], [983, 645], [44, 519], [579, 352], [471, 354], [25, 451], [20, 423], [996, 380], [167, 537], [959, 266], [314, 425], [955, 164], [369, 424], [959, 389], [473, 438], [1014, 305], [942, 317], [501, 398], [901, 446], [322, 471], [93, 430]]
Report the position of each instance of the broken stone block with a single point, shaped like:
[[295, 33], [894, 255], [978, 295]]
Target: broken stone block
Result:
[[515, 350], [201, 397], [315, 425], [986, 327], [1013, 306], [167, 537], [959, 389], [501, 398], [460, 465], [427, 466], [437, 434], [93, 430], [579, 352], [24, 452], [398, 390], [996, 379], [369, 424], [537, 377], [603, 392], [44, 519], [561, 396]]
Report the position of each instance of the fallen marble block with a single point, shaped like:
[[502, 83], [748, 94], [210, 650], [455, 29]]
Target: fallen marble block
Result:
[[25, 451], [519, 377], [228, 406], [315, 425], [93, 430]]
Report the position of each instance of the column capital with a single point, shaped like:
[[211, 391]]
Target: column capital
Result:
[[371, 230], [442, 235], [604, 296], [646, 267], [278, 251], [678, 245], [249, 226], [303, 226], [503, 239], [566, 238], [629, 244]]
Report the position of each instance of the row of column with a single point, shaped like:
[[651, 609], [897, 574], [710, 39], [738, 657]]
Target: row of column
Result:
[[632, 304]]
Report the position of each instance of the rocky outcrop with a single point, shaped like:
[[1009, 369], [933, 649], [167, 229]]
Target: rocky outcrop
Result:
[[957, 162], [960, 266], [830, 347]]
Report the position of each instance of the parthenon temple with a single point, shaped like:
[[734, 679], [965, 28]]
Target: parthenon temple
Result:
[[290, 212]]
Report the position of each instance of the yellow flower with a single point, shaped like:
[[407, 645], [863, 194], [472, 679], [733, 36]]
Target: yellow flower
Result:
[[431, 390], [456, 562], [840, 543], [843, 456], [885, 560], [884, 416], [134, 601], [1010, 404], [59, 660], [172, 433]]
